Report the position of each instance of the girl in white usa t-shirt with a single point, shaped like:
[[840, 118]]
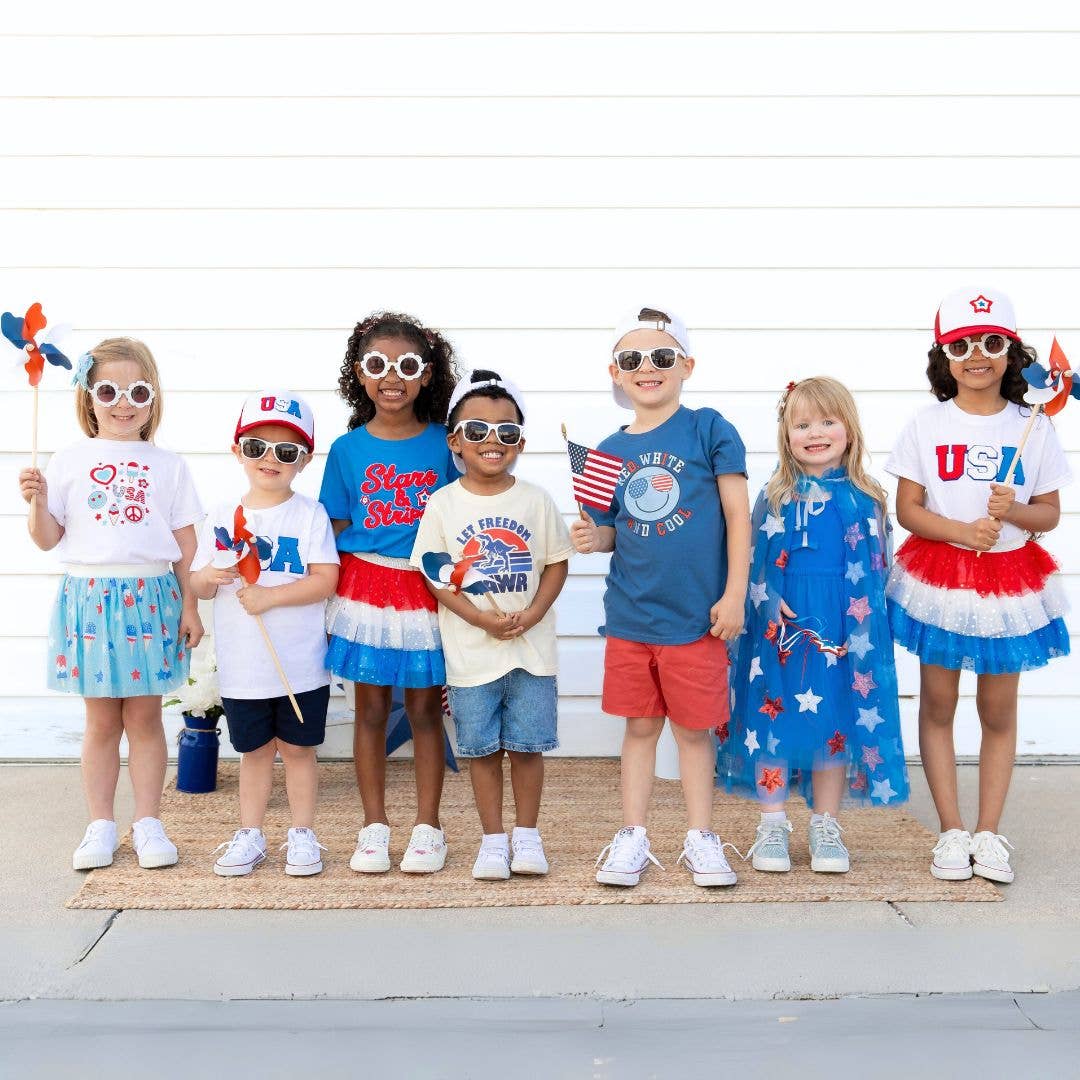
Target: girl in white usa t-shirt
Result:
[[970, 588]]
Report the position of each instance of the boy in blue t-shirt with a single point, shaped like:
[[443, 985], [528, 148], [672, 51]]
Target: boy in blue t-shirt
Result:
[[679, 530]]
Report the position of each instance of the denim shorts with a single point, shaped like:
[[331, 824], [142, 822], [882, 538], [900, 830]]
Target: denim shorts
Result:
[[518, 711]]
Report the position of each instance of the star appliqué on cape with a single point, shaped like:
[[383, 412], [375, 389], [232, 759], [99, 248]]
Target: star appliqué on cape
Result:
[[836, 744], [869, 719], [772, 707], [751, 742], [859, 644], [859, 608], [771, 779], [771, 743], [864, 683], [871, 758], [758, 593], [809, 701], [755, 668], [852, 535], [855, 572], [772, 526], [883, 790]]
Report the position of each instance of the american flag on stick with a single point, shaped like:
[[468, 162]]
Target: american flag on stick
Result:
[[595, 475]]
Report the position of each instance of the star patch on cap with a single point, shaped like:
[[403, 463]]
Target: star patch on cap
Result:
[[980, 304]]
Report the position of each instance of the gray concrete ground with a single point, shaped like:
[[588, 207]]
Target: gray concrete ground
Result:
[[1000, 1035], [1029, 943]]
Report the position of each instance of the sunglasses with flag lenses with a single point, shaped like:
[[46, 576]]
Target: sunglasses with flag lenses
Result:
[[663, 358], [477, 431], [408, 365], [107, 393], [288, 453], [992, 346]]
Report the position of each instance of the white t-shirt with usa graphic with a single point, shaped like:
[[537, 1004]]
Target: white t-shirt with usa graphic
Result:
[[956, 456], [510, 538]]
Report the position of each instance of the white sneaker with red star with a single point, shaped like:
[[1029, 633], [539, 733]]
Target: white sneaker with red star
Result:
[[426, 852]]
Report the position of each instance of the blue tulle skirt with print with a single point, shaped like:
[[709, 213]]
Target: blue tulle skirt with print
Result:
[[117, 637]]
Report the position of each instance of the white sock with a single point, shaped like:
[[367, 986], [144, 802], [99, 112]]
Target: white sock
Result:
[[521, 833], [495, 842], [816, 819], [773, 815]]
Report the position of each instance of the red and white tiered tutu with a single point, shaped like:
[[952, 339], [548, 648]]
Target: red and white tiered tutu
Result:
[[383, 624], [995, 613]]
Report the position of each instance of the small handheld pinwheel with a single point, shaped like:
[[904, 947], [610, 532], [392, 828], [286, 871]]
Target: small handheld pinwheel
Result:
[[459, 577], [244, 550], [22, 332]]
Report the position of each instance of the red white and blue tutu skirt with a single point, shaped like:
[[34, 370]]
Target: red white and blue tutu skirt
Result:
[[383, 624], [997, 613]]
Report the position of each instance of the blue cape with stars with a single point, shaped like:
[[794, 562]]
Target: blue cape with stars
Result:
[[864, 710]]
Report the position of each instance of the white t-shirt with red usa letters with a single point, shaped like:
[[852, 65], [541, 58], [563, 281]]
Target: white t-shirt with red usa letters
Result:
[[957, 455], [120, 501]]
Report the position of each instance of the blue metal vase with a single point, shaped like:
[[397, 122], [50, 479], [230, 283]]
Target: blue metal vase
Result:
[[197, 756]]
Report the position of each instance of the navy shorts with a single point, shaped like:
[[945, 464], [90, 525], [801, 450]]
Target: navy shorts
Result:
[[518, 711], [253, 722]]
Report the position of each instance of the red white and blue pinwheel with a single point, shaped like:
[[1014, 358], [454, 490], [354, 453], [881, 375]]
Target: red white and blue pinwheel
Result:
[[22, 331]]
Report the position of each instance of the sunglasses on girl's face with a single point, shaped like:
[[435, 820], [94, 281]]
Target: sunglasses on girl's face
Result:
[[107, 393], [408, 365], [288, 453], [477, 431], [663, 358], [992, 346]]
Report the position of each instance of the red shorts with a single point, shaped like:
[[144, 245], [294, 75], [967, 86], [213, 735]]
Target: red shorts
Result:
[[686, 683]]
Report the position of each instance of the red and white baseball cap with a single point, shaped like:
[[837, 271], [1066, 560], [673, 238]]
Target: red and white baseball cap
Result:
[[277, 407], [648, 318], [974, 311]]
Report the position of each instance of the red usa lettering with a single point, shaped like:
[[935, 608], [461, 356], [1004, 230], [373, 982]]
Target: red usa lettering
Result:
[[387, 478]]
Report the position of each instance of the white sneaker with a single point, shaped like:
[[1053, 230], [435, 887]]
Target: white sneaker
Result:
[[151, 844], [989, 857], [492, 864], [529, 857], [372, 854], [952, 856], [243, 853], [426, 852], [703, 856], [770, 849], [828, 855], [98, 846], [628, 856], [303, 858]]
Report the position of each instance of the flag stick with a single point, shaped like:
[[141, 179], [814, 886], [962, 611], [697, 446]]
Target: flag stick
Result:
[[495, 607], [1019, 450], [580, 508], [33, 454], [280, 669]]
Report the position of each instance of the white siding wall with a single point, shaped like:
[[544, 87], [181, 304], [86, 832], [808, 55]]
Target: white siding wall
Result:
[[239, 183]]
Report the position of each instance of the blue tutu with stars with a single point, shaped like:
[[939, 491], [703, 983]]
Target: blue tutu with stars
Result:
[[117, 636], [817, 690]]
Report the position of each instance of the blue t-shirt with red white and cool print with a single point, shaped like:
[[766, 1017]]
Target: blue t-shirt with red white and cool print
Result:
[[670, 561]]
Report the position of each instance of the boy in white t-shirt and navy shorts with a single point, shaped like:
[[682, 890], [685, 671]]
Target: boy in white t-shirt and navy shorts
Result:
[[294, 542], [494, 551]]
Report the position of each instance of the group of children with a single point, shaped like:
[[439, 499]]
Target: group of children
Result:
[[765, 638]]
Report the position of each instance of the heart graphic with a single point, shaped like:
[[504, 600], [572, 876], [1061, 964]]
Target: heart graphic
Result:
[[103, 474]]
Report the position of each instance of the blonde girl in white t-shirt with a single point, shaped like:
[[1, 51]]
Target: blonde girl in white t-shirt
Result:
[[971, 589], [121, 511]]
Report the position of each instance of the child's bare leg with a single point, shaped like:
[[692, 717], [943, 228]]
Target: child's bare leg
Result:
[[996, 701], [639, 766], [697, 767], [527, 780], [486, 774], [828, 790], [256, 780], [101, 755], [369, 749], [301, 782], [424, 707], [147, 753], [939, 691]]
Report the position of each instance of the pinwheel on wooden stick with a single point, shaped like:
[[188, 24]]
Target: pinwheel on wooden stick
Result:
[[241, 548]]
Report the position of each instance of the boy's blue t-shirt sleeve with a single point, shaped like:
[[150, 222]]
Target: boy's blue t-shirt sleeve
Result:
[[723, 443], [333, 494]]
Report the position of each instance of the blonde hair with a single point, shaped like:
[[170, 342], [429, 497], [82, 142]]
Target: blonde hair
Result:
[[826, 397], [120, 348]]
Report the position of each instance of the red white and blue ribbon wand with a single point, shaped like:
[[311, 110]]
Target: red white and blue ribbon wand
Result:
[[22, 331], [241, 549]]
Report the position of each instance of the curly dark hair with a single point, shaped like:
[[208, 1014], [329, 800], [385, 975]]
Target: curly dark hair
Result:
[[434, 398], [496, 393], [943, 385]]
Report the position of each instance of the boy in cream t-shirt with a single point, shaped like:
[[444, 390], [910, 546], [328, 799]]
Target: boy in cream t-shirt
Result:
[[494, 551]]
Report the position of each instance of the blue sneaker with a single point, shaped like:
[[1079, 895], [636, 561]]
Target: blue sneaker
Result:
[[770, 849], [827, 852]]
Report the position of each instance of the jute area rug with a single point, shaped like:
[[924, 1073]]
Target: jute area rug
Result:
[[890, 852]]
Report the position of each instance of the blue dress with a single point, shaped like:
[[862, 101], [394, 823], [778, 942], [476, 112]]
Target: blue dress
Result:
[[816, 691]]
